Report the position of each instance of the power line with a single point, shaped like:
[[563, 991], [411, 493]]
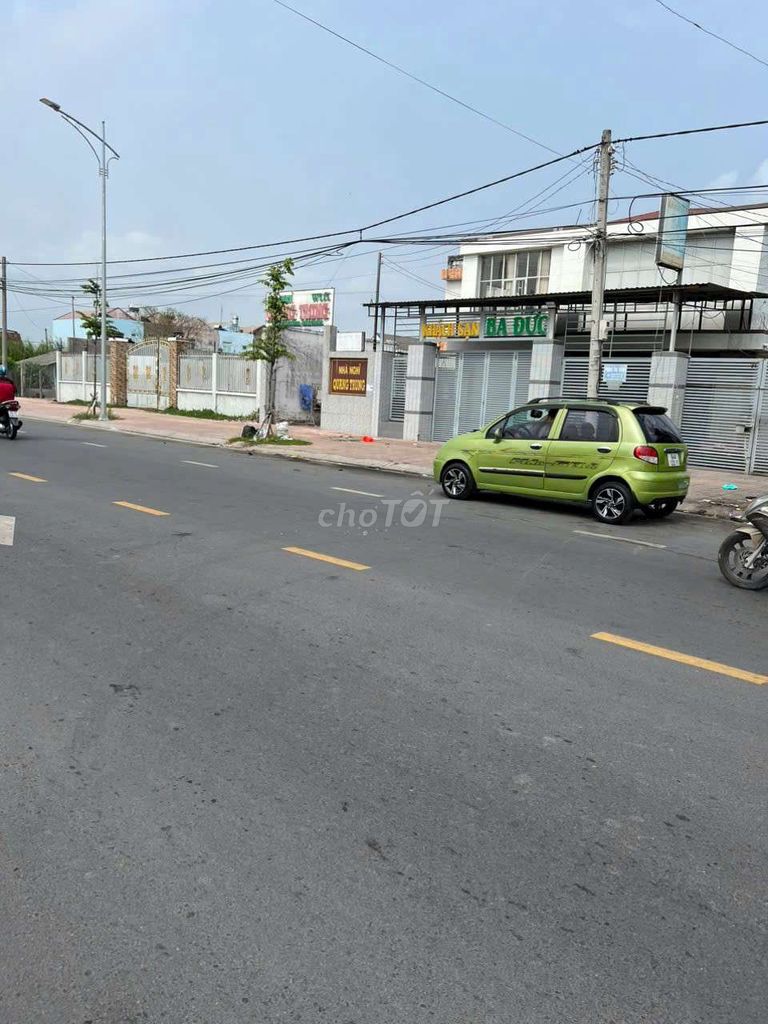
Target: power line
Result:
[[415, 78], [690, 131], [714, 35]]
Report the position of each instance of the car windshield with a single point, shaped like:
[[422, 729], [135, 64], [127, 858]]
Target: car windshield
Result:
[[658, 428]]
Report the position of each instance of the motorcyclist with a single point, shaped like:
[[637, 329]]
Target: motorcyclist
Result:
[[7, 394]]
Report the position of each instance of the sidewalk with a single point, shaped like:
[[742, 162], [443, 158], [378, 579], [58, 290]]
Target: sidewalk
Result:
[[706, 495]]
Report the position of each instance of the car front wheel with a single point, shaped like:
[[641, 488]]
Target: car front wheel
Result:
[[612, 502], [457, 481]]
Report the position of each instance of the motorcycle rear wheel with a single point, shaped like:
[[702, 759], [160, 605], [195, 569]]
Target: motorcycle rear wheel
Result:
[[731, 558]]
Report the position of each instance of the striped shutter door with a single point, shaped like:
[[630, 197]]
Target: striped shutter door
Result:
[[634, 390], [446, 375], [760, 451], [523, 377], [500, 387], [397, 393], [471, 391], [720, 397]]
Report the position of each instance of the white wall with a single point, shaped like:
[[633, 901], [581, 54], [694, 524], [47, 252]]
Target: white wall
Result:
[[306, 367]]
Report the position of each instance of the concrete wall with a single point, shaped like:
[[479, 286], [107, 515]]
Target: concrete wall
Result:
[[306, 367], [348, 414]]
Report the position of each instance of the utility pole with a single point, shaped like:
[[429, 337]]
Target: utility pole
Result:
[[4, 356], [103, 413], [598, 270], [73, 332], [376, 308]]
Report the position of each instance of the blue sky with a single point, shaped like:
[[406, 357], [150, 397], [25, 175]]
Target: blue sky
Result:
[[239, 123]]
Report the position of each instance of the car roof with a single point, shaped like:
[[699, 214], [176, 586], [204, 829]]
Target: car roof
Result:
[[596, 403]]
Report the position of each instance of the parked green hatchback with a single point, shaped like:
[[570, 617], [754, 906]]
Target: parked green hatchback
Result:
[[613, 456]]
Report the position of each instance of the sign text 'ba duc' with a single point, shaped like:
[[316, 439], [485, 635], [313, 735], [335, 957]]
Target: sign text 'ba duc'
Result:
[[348, 377], [534, 326]]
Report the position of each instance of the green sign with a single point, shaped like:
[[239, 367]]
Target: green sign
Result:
[[536, 326]]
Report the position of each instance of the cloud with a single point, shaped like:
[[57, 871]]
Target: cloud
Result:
[[760, 176], [725, 180]]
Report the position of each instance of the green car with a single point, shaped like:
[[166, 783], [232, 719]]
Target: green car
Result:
[[613, 456]]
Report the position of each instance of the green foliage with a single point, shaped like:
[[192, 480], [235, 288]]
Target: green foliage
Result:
[[253, 442], [91, 322], [208, 414], [270, 347]]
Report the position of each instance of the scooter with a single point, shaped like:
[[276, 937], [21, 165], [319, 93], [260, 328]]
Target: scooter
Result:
[[13, 424], [743, 555]]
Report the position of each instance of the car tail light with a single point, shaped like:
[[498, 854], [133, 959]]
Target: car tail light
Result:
[[647, 454]]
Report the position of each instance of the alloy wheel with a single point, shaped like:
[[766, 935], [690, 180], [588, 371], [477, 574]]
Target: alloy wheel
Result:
[[610, 504]]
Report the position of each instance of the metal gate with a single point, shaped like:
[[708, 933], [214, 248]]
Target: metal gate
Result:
[[723, 423], [471, 388], [397, 390], [148, 376], [635, 389]]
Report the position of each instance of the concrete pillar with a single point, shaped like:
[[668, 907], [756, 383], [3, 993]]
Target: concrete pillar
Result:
[[118, 372], [58, 375], [419, 392], [215, 382], [86, 395], [546, 379], [666, 386]]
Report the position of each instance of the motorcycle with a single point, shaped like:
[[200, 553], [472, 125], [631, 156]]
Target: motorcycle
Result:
[[13, 424], [743, 555]]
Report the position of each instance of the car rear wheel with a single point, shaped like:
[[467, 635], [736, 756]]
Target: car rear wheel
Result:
[[612, 502], [457, 481], [661, 508]]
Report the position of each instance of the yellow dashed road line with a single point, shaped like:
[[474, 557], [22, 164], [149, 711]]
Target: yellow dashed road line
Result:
[[343, 562], [683, 659], [26, 476], [141, 508]]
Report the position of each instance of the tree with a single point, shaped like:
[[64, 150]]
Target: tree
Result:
[[270, 347], [91, 322], [172, 323]]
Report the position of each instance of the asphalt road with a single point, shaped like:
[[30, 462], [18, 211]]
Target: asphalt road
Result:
[[240, 784]]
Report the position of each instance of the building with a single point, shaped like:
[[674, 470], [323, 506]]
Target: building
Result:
[[126, 322], [515, 320]]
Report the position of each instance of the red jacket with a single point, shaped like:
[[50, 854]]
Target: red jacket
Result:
[[7, 390]]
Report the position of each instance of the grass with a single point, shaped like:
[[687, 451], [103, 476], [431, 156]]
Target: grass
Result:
[[252, 442], [209, 414], [91, 416]]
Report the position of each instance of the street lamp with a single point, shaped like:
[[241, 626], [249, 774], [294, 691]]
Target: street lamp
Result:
[[103, 162]]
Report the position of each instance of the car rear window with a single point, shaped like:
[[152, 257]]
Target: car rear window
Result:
[[658, 428]]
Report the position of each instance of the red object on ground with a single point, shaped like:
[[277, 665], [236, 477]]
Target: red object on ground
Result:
[[368, 440]]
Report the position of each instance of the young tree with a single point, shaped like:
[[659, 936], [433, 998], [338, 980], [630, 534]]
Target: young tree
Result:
[[91, 322], [270, 348]]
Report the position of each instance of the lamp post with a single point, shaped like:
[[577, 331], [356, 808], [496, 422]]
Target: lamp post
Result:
[[103, 162]]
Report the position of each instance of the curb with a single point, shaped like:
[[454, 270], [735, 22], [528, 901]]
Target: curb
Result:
[[318, 459]]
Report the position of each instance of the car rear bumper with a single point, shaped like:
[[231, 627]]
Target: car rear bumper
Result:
[[652, 485]]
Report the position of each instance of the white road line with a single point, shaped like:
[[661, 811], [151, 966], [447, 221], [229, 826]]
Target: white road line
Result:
[[350, 490], [7, 528], [92, 444], [207, 465], [624, 540]]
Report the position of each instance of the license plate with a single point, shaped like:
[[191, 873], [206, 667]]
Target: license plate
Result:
[[673, 459]]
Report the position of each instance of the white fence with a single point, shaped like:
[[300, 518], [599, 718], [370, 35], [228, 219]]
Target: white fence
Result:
[[226, 384], [75, 375]]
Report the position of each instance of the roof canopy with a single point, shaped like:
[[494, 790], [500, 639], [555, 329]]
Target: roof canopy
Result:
[[713, 294]]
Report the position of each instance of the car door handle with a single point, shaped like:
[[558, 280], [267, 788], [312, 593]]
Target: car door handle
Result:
[[536, 447], [604, 450]]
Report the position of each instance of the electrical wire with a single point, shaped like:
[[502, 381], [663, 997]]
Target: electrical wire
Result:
[[714, 35], [692, 131]]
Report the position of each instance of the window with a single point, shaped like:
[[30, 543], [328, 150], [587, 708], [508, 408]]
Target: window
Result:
[[515, 273], [590, 425], [525, 424], [657, 427]]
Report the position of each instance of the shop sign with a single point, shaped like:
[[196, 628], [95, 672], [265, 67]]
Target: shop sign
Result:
[[348, 377], [536, 326], [308, 308], [462, 329]]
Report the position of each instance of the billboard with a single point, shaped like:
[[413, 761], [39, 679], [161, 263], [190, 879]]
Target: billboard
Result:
[[673, 228], [308, 308]]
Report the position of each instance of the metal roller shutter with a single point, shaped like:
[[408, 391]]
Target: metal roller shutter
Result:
[[471, 391], [397, 393], [760, 449], [720, 398], [634, 390], [446, 376], [500, 385]]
